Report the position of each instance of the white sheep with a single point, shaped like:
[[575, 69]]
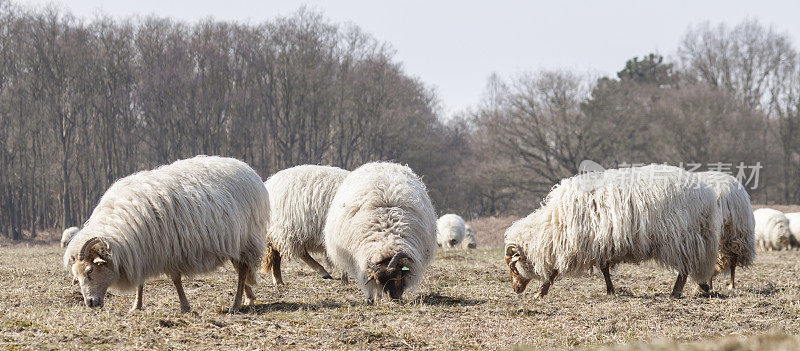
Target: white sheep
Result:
[[794, 228], [654, 212], [469, 238], [299, 200], [737, 245], [772, 229], [450, 230], [181, 219], [381, 229], [67, 235]]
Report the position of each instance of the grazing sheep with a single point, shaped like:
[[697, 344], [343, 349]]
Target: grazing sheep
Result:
[[381, 229], [450, 231], [772, 229], [299, 200], [67, 235], [737, 244], [794, 228], [469, 238], [181, 219], [654, 212]]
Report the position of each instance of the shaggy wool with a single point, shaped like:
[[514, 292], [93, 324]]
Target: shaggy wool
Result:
[[185, 218], [380, 209]]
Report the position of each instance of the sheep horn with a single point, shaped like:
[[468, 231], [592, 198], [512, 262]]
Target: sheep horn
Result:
[[86, 246], [396, 259], [511, 249], [373, 266]]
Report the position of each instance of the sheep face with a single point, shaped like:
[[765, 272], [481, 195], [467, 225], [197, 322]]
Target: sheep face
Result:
[[519, 268], [390, 274], [94, 272]]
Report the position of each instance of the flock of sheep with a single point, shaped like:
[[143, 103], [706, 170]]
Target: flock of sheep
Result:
[[378, 226]]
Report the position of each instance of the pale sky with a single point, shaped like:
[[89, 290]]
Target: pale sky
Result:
[[453, 46]]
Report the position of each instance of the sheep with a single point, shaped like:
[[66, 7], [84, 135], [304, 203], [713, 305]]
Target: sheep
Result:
[[450, 231], [737, 245], [181, 219], [794, 228], [299, 201], [654, 212], [381, 229], [67, 235], [469, 238], [772, 229]]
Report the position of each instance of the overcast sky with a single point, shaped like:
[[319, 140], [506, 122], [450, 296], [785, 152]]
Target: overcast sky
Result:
[[454, 46]]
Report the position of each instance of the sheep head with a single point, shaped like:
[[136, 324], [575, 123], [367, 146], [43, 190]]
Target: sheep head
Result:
[[390, 274], [94, 271], [516, 262]]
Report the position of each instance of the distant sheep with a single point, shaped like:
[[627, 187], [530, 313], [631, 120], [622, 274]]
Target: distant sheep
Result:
[[772, 229], [299, 200], [737, 245], [67, 235], [450, 231], [181, 219], [600, 219], [469, 238], [794, 228], [381, 229]]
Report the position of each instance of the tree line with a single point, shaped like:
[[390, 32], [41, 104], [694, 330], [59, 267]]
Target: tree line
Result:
[[86, 102]]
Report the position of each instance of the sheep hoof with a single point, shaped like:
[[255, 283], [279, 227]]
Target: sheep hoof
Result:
[[327, 276], [185, 309]]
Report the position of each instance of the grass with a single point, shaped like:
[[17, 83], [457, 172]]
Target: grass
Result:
[[465, 302]]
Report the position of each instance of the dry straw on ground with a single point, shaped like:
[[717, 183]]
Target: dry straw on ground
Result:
[[465, 302]]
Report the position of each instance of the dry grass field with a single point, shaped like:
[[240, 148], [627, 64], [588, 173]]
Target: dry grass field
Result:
[[465, 303]]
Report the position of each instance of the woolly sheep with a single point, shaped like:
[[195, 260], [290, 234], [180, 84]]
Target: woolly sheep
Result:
[[654, 212], [737, 245], [299, 201], [772, 229], [794, 228], [381, 229], [469, 238], [450, 231], [181, 219], [67, 235]]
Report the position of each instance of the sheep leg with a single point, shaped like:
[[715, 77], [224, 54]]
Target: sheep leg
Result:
[[249, 296], [237, 299], [678, 288], [176, 279], [275, 260], [137, 303], [546, 286], [607, 276], [345, 279], [732, 284], [311, 262]]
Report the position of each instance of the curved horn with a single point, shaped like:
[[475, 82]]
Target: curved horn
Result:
[[512, 249], [86, 246], [373, 266], [396, 259]]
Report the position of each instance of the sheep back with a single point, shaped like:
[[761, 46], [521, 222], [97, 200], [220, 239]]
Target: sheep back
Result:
[[450, 228], [771, 229], [737, 241], [299, 198], [185, 218], [380, 209], [654, 212]]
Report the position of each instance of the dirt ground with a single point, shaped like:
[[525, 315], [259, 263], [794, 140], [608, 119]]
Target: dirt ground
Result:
[[465, 302]]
